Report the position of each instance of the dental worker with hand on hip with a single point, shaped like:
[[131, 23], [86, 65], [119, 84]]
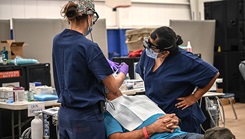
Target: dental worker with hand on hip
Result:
[[81, 73], [175, 79]]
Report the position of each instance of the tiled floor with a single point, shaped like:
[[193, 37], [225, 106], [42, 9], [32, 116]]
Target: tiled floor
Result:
[[236, 126]]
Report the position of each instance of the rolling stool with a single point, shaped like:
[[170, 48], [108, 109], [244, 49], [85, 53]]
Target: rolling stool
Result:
[[230, 96]]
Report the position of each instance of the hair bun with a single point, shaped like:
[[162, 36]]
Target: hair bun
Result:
[[179, 40], [71, 12]]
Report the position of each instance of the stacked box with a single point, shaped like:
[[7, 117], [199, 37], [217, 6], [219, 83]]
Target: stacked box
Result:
[[134, 38], [14, 48]]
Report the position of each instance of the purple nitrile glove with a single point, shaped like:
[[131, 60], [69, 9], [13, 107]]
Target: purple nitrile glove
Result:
[[114, 65], [123, 68]]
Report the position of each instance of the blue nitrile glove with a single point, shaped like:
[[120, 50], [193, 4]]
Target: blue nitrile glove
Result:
[[123, 68], [114, 65]]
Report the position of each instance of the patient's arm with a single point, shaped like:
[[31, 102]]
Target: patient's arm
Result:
[[159, 126]]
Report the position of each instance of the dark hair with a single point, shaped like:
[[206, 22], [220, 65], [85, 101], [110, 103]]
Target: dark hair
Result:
[[70, 12], [166, 39], [218, 133]]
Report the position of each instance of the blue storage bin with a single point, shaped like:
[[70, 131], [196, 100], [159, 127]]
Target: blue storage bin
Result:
[[116, 43]]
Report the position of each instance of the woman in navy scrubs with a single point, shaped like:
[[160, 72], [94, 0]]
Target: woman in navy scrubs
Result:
[[174, 78], [81, 73]]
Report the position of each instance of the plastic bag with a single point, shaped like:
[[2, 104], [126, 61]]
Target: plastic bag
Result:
[[242, 68], [20, 61]]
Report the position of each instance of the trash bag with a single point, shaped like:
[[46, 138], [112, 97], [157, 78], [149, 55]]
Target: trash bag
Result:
[[242, 68]]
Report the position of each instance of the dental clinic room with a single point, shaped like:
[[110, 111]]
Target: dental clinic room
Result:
[[122, 69]]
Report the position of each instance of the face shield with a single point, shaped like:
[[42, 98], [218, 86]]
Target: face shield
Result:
[[148, 45]]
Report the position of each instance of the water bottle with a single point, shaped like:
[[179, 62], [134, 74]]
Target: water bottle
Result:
[[30, 95]]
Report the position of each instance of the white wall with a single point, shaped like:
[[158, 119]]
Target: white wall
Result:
[[141, 13]]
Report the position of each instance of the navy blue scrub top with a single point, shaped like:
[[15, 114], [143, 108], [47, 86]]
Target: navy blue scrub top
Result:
[[79, 67], [176, 77]]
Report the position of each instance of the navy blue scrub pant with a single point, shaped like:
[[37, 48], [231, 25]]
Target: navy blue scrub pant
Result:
[[190, 124], [81, 124]]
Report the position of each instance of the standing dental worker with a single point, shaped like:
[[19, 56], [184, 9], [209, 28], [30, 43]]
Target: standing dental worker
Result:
[[171, 76], [81, 73]]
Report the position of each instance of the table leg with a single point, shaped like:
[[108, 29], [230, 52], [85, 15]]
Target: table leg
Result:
[[12, 123], [19, 122]]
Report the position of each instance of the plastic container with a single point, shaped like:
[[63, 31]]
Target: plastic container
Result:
[[5, 53], [38, 74], [36, 127], [19, 94], [1, 58], [189, 48], [8, 94]]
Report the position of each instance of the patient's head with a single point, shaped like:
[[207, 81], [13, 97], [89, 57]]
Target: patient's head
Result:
[[218, 133]]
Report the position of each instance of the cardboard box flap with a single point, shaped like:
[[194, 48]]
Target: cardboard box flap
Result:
[[8, 41], [16, 44]]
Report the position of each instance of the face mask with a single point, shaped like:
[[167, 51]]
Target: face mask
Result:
[[90, 28], [150, 53]]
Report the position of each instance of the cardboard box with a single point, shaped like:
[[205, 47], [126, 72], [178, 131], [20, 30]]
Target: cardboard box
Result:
[[226, 101], [7, 45], [134, 38], [14, 48]]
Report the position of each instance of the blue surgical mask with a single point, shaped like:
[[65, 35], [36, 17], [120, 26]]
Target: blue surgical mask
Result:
[[150, 53], [88, 31]]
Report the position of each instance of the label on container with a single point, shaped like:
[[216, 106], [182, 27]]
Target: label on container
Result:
[[9, 74], [35, 106]]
